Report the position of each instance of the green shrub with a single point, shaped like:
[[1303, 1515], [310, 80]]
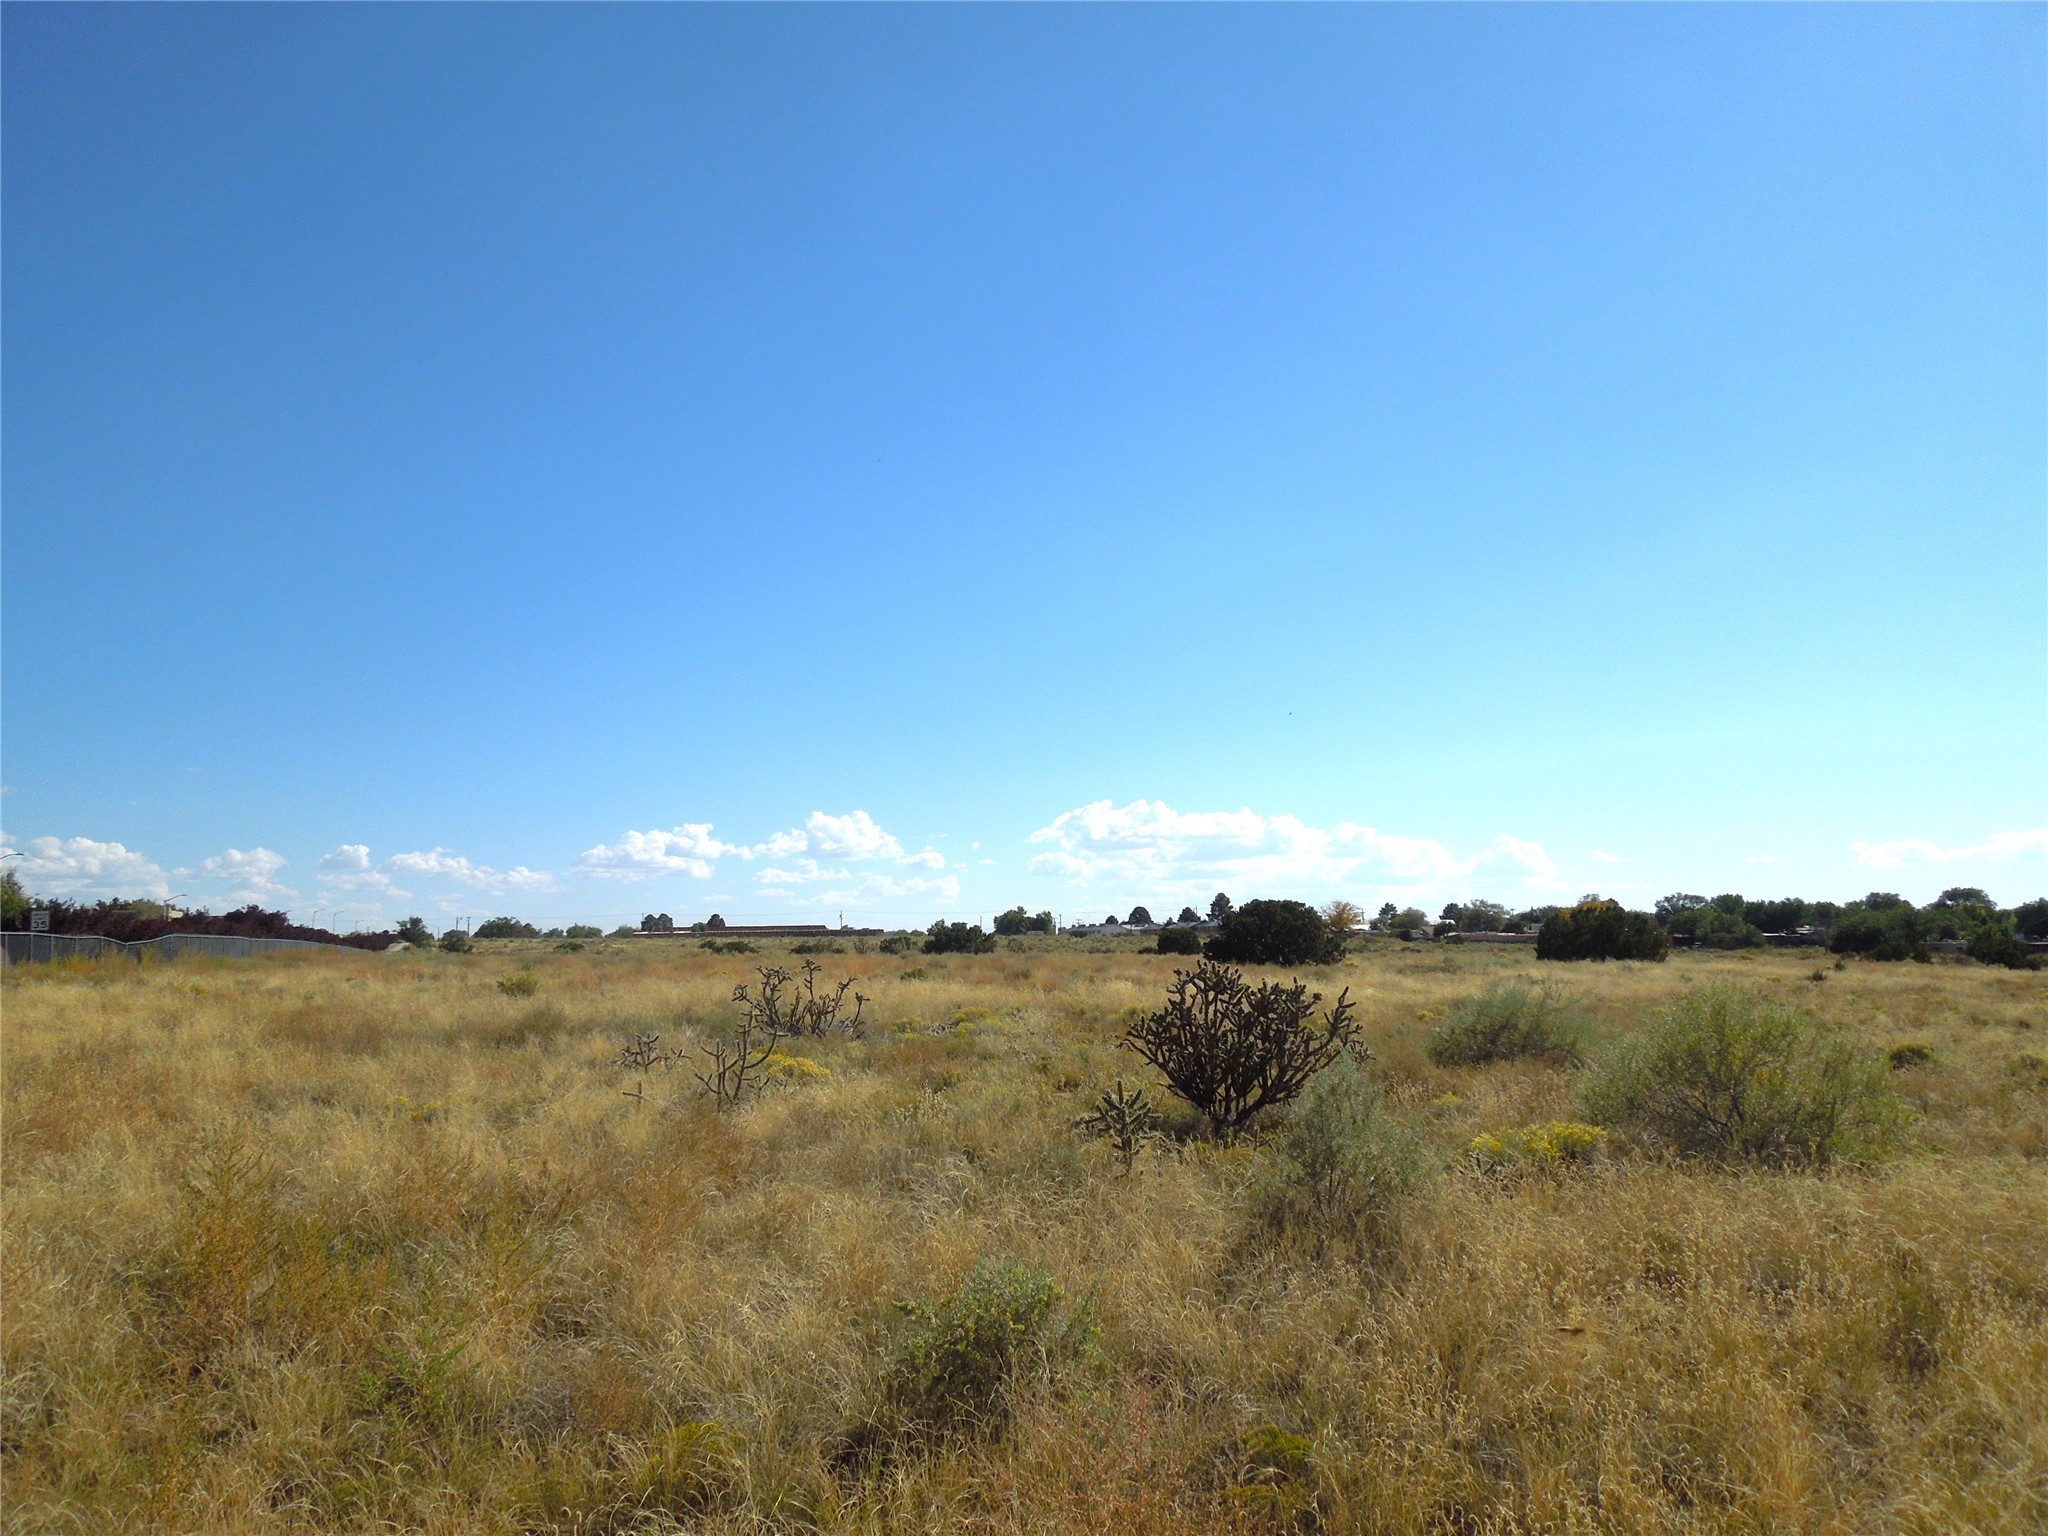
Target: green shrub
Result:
[[1728, 1073], [519, 984], [456, 942], [1275, 933], [1993, 945], [954, 1372], [1179, 941], [1599, 930], [1713, 928], [1912, 1054], [1339, 1169], [2030, 919], [582, 931], [958, 939], [1885, 933], [505, 928], [1509, 1019]]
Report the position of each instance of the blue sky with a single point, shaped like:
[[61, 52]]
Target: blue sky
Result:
[[578, 462]]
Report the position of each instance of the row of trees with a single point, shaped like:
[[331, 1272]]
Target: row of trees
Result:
[[1141, 916]]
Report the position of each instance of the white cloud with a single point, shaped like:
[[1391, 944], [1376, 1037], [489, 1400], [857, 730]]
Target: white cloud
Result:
[[686, 850], [1148, 843], [251, 875], [440, 864], [1918, 850], [853, 836], [1763, 858], [693, 850], [1608, 858], [349, 868], [82, 867]]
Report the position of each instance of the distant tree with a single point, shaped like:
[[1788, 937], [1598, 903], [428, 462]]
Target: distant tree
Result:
[[415, 932], [2030, 919], [1188, 915], [1477, 916], [1140, 917], [1781, 916], [1219, 907], [1729, 903], [1450, 914], [714, 921], [1597, 929], [624, 931], [1179, 940], [14, 903], [1882, 901], [1995, 944], [1880, 933], [1966, 896], [660, 922], [505, 928], [583, 931], [1275, 933], [455, 941], [1408, 922], [1670, 906], [1045, 922], [1111, 921], [945, 938], [1343, 917], [1383, 920], [1012, 922], [1715, 928]]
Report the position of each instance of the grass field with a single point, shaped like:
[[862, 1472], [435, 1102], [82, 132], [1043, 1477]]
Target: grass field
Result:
[[366, 1242]]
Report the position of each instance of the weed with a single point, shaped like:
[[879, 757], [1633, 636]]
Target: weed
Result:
[[955, 1371], [1559, 1144], [1509, 1019], [1339, 1170], [1726, 1072], [1126, 1120]]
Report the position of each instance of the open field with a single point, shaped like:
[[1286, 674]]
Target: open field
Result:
[[364, 1242]]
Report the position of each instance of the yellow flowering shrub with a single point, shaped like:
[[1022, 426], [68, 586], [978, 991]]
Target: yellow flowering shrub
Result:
[[794, 1069], [1555, 1145]]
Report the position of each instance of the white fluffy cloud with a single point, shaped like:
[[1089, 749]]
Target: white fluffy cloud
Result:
[[1918, 850], [853, 836], [814, 852], [440, 864], [81, 867], [686, 850], [251, 875], [1149, 844], [340, 871]]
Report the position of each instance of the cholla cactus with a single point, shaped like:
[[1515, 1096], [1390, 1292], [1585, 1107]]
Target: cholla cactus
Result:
[[1126, 1120]]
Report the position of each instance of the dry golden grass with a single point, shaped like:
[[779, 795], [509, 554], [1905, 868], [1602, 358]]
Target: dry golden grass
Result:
[[353, 1243]]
